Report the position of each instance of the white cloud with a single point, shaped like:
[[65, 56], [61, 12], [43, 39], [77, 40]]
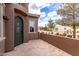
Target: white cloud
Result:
[[56, 18], [43, 14], [40, 4], [34, 9], [42, 23], [35, 12], [44, 4], [51, 15]]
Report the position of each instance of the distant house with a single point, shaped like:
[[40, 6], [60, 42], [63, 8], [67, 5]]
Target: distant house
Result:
[[77, 33], [63, 29], [77, 30]]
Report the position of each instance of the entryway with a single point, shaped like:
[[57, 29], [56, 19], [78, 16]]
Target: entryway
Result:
[[18, 31]]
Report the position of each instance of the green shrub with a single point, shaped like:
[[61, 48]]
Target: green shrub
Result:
[[60, 34], [64, 34], [57, 34], [70, 36], [51, 32]]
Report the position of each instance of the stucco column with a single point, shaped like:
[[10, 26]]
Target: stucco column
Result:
[[9, 27]]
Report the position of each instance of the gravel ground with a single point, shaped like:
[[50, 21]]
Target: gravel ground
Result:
[[36, 48]]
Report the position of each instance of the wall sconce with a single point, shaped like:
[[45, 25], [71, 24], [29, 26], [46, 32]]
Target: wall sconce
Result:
[[5, 17]]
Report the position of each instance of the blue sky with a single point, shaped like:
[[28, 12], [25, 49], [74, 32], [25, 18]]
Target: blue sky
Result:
[[47, 11]]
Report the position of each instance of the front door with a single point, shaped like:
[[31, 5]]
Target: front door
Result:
[[18, 31]]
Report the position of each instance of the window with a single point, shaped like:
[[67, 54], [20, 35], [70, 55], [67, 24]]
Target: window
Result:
[[64, 28], [32, 26], [56, 29]]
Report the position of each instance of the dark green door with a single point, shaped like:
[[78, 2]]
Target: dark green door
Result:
[[18, 30]]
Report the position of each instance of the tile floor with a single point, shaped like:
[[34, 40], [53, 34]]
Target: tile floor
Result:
[[36, 48]]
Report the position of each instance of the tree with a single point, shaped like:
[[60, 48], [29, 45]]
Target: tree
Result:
[[70, 12], [45, 28], [60, 22], [50, 24]]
